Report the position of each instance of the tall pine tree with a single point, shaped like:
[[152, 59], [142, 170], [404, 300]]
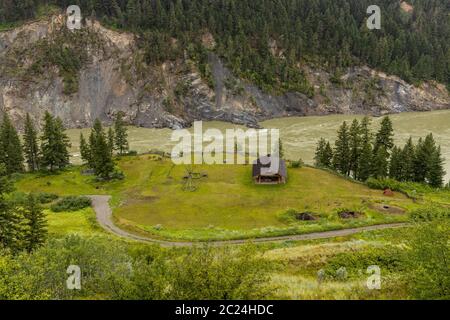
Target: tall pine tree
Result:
[[355, 147], [54, 144], [408, 156], [121, 134], [11, 154], [385, 136], [34, 231], [85, 151], [102, 161], [341, 157], [435, 173], [9, 220], [396, 165]]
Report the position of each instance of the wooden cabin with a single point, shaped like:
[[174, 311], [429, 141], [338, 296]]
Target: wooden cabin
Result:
[[261, 174]]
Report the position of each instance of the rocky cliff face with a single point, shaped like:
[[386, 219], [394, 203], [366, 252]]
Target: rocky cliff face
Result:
[[113, 78]]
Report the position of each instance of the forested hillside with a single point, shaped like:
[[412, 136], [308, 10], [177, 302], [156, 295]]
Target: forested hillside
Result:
[[413, 43]]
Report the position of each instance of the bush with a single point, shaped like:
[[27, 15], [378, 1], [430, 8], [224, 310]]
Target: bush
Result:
[[44, 197], [409, 188], [384, 183], [430, 213], [428, 276], [71, 204], [116, 175], [131, 153], [390, 259], [297, 164]]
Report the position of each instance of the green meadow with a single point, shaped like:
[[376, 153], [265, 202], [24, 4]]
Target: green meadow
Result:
[[226, 204]]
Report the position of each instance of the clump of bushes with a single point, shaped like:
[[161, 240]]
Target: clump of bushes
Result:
[[389, 259], [297, 163], [45, 198], [131, 153], [115, 175], [71, 203], [409, 188], [20, 198], [430, 213]]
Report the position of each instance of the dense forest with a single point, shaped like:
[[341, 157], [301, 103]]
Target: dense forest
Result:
[[414, 44]]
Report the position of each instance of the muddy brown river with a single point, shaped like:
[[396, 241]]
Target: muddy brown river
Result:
[[300, 134]]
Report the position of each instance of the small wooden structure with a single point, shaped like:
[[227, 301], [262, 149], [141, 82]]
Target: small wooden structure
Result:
[[263, 175]]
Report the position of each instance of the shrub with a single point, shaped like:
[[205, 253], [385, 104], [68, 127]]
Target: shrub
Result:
[[430, 213], [116, 175], [297, 164], [131, 153], [384, 183], [428, 276], [44, 197], [409, 188], [71, 204], [389, 259]]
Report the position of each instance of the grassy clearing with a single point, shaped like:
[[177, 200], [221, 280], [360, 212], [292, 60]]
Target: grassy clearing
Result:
[[299, 264], [226, 205], [81, 222]]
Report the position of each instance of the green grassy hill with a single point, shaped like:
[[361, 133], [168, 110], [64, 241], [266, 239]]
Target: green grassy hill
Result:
[[226, 203]]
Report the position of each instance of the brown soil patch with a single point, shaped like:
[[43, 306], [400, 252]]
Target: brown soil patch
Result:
[[305, 216], [386, 208], [350, 214]]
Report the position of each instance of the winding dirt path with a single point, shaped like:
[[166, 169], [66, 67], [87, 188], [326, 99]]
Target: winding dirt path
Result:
[[104, 218]]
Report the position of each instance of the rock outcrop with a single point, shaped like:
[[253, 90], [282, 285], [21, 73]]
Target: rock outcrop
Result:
[[114, 78]]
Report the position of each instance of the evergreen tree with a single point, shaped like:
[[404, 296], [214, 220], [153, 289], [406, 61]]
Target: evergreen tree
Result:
[[420, 161], [31, 147], [355, 147], [425, 158], [365, 161], [380, 163], [9, 221], [384, 137], [366, 151], [366, 135], [408, 156], [341, 157], [436, 173], [62, 143], [320, 150], [54, 144], [121, 134], [396, 165], [34, 231], [85, 151], [327, 160], [101, 153], [111, 141], [324, 154], [11, 154]]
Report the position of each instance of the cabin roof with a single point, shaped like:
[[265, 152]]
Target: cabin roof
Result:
[[264, 162]]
